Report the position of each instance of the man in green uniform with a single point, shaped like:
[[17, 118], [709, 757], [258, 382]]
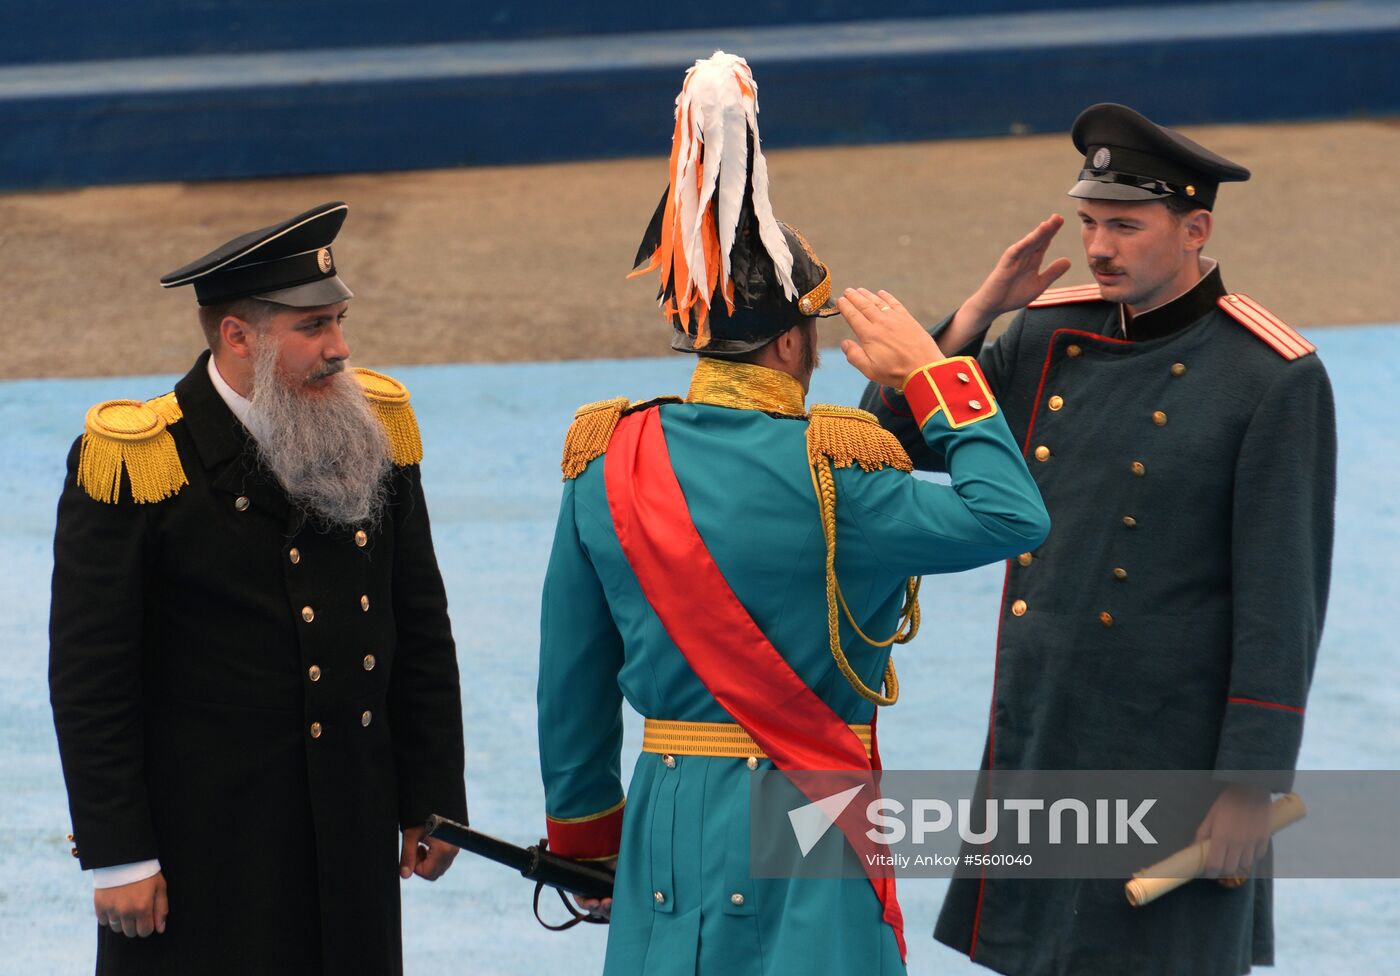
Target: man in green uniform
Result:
[[1184, 440], [713, 559], [251, 665]]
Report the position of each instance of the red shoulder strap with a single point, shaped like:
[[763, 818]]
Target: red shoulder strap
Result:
[[1067, 296], [709, 625], [1267, 326]]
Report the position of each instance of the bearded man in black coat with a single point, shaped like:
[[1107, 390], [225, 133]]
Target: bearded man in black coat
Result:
[[252, 670]]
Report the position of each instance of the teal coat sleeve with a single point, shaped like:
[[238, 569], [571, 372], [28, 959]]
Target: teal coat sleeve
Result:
[[580, 703], [991, 511], [1281, 554]]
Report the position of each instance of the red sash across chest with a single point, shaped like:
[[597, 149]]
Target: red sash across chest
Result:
[[713, 631]]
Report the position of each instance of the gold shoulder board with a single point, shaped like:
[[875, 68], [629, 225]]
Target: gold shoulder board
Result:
[[847, 435], [389, 400], [1277, 334], [134, 437]]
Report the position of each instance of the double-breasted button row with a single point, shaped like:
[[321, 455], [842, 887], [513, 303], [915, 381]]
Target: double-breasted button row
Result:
[[314, 672], [365, 718], [308, 613]]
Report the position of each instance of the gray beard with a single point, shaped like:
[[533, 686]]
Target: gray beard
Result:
[[329, 452]]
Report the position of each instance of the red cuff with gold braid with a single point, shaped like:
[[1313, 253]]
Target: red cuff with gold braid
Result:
[[956, 386], [596, 837]]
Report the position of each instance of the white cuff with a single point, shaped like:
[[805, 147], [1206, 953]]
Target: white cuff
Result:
[[124, 874]]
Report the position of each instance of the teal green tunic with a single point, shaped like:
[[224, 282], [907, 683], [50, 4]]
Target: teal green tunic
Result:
[[684, 901]]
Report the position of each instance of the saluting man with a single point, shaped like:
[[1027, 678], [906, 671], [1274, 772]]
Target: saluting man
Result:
[[702, 550], [252, 671], [1184, 440]]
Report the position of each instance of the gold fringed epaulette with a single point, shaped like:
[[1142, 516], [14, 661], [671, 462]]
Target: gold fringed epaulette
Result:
[[131, 436], [849, 436], [589, 434], [388, 398]]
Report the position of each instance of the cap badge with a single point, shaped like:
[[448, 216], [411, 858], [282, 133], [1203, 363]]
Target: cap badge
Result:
[[323, 260], [1102, 158], [1190, 190]]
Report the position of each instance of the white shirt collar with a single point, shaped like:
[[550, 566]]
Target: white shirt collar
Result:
[[240, 405]]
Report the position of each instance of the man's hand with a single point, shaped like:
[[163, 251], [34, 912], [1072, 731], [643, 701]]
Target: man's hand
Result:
[[1014, 283], [601, 907], [429, 859], [139, 908], [890, 343], [1237, 826]]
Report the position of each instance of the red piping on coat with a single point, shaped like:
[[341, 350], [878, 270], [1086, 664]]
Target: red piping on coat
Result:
[[1265, 704]]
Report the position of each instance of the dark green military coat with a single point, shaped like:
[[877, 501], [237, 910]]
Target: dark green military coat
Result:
[[184, 634], [1171, 619]]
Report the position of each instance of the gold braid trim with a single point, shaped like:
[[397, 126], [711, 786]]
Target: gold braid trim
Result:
[[130, 436], [388, 398], [847, 436], [168, 408], [589, 434]]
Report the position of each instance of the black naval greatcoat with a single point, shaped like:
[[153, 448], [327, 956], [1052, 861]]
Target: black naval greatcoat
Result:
[[1170, 620], [259, 703]]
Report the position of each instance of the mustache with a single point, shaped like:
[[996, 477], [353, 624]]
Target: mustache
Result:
[[329, 368], [1103, 266]]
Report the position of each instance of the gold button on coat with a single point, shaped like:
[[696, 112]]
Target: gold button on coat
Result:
[[1025, 559], [1178, 369], [308, 614], [361, 539], [1139, 468], [315, 730], [364, 603], [314, 672], [658, 897], [1129, 521], [1019, 608], [1120, 573], [1106, 619], [1159, 418], [669, 761], [751, 762], [736, 899], [294, 554], [1056, 402], [365, 718], [975, 404], [1074, 352], [1042, 453], [73, 851], [369, 662], [241, 503], [964, 378]]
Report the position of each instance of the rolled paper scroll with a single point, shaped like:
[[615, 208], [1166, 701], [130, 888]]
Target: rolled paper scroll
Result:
[[1152, 883]]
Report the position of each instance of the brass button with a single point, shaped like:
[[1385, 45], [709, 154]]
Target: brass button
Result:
[[1042, 453], [1159, 418], [975, 404], [365, 718], [668, 760], [315, 730], [1106, 619], [751, 762], [294, 554], [70, 838], [73, 851], [1074, 352], [1056, 402], [369, 662], [1025, 559], [241, 503], [964, 378], [658, 897], [1129, 521], [361, 539], [1139, 468], [364, 603], [1019, 608], [736, 899], [1178, 369], [1120, 573], [314, 672], [308, 614]]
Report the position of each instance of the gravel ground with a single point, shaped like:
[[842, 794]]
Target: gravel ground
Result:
[[529, 263]]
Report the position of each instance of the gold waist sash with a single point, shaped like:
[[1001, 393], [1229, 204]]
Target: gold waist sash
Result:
[[724, 739]]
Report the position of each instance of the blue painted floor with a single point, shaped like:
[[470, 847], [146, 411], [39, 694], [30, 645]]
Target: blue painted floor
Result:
[[493, 435]]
